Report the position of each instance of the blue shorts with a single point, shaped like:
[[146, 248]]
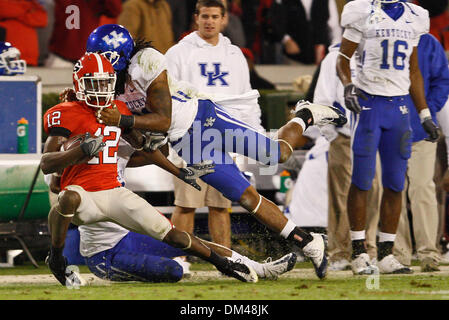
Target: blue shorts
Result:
[[383, 125], [137, 258], [213, 135]]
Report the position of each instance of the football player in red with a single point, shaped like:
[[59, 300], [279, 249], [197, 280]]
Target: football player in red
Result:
[[90, 189]]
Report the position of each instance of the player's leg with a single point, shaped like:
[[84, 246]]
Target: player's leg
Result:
[[134, 213], [230, 181], [394, 150], [365, 140]]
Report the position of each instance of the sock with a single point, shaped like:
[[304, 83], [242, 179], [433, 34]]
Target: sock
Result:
[[386, 237], [384, 249], [306, 237], [358, 247], [306, 115]]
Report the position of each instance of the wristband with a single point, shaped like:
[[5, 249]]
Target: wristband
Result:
[[126, 121], [424, 114]]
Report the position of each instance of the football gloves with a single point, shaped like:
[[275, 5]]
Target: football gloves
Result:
[[429, 126], [91, 146], [154, 140], [191, 173], [351, 95], [58, 266]]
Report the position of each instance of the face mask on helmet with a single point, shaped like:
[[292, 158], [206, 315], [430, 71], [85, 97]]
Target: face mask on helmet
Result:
[[94, 80], [10, 62], [114, 42]]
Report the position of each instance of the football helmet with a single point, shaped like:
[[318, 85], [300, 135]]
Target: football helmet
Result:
[[94, 80], [114, 42], [10, 62]]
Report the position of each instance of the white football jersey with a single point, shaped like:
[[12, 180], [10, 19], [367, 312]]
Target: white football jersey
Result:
[[145, 66], [385, 44]]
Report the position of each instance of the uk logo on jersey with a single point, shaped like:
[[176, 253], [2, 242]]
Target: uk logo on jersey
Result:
[[215, 75], [114, 38]]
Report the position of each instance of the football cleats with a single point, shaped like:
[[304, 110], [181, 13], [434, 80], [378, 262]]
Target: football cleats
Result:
[[10, 62], [94, 80], [114, 42]]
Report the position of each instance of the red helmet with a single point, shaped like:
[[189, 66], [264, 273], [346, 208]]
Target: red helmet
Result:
[[94, 80]]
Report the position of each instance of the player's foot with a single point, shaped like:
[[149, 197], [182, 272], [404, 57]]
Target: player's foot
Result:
[[185, 267], [273, 269], [362, 265], [429, 264], [317, 114], [389, 264], [238, 270], [315, 250], [339, 265]]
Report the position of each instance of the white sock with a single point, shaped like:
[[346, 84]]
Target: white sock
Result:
[[300, 122], [288, 228], [384, 237], [357, 235]]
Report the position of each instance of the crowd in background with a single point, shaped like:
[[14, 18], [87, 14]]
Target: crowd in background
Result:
[[53, 33]]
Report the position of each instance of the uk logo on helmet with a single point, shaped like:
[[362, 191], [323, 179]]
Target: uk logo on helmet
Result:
[[114, 39]]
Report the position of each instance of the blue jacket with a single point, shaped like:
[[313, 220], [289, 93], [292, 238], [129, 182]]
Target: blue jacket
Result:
[[435, 72]]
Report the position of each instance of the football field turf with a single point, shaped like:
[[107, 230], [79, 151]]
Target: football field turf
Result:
[[25, 282]]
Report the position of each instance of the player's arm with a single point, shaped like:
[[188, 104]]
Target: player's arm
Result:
[[53, 160], [419, 98], [158, 103]]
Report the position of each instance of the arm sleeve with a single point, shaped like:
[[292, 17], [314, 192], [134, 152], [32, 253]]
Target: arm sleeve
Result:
[[438, 91]]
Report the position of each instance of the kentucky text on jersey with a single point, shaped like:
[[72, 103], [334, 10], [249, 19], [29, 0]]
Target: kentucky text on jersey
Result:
[[135, 105], [397, 33]]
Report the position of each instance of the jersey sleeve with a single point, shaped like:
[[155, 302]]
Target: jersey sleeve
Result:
[[60, 120], [421, 23], [147, 65], [353, 19]]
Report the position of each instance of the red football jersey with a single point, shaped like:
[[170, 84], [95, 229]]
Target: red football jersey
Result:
[[72, 118]]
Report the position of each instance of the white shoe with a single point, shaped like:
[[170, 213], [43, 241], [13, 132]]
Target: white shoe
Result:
[[339, 265], [390, 264], [315, 250], [321, 114], [362, 265], [185, 267], [445, 258], [273, 269]]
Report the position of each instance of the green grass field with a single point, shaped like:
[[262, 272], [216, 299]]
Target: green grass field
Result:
[[26, 282]]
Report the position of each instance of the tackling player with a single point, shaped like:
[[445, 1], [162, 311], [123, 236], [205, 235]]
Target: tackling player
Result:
[[384, 34], [162, 104], [90, 189]]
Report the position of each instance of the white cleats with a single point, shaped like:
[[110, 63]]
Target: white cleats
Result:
[[273, 269], [322, 115], [389, 265], [361, 265], [315, 250]]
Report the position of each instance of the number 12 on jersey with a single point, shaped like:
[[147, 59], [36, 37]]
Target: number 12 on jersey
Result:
[[106, 158], [398, 55]]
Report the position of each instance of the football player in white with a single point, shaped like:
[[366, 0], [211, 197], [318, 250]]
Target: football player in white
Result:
[[384, 34]]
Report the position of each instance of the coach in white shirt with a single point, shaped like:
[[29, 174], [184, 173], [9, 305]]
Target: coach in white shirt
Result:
[[208, 60]]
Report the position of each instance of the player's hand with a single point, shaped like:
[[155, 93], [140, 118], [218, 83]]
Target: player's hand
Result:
[[91, 146], [191, 173], [351, 95], [431, 128], [109, 116], [57, 264], [67, 95], [154, 140]]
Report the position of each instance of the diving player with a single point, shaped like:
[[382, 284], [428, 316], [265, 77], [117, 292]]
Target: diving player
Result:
[[162, 104]]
